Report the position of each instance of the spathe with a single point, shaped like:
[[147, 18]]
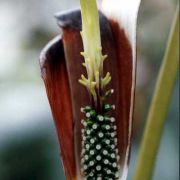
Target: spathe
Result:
[[123, 14], [61, 67]]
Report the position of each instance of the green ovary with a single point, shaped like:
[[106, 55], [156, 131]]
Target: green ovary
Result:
[[99, 157]]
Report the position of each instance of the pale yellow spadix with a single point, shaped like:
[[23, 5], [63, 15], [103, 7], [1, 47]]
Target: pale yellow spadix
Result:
[[92, 46]]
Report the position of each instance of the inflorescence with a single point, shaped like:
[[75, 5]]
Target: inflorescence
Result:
[[99, 156]]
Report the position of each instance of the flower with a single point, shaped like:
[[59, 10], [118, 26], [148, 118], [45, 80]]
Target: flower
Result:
[[61, 66]]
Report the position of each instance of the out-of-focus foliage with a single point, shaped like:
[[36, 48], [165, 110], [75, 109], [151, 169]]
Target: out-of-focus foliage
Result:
[[28, 144]]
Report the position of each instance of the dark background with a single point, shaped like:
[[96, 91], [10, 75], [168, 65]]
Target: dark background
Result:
[[28, 143]]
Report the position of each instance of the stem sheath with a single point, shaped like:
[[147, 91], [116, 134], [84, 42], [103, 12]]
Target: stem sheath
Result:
[[159, 107]]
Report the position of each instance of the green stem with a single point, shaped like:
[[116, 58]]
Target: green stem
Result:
[[159, 107]]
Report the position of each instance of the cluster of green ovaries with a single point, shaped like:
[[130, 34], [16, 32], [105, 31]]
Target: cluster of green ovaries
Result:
[[99, 156]]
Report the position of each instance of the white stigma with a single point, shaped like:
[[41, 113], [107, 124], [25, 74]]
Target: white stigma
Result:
[[86, 157], [112, 134], [85, 167], [101, 118], [92, 152], [98, 146], [83, 151], [82, 170], [83, 142], [113, 155], [82, 131], [91, 163], [98, 168], [112, 119], [106, 161], [99, 178], [82, 121], [101, 135], [107, 141], [112, 146], [82, 109], [92, 141], [114, 165], [88, 115], [94, 126], [87, 146], [105, 152], [98, 158], [82, 160], [85, 123], [117, 175]]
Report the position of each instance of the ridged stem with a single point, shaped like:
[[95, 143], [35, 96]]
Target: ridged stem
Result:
[[159, 107]]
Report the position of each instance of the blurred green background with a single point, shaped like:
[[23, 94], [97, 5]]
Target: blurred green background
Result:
[[28, 143]]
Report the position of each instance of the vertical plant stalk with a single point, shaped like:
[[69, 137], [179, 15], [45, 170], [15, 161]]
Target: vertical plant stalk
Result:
[[159, 107]]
